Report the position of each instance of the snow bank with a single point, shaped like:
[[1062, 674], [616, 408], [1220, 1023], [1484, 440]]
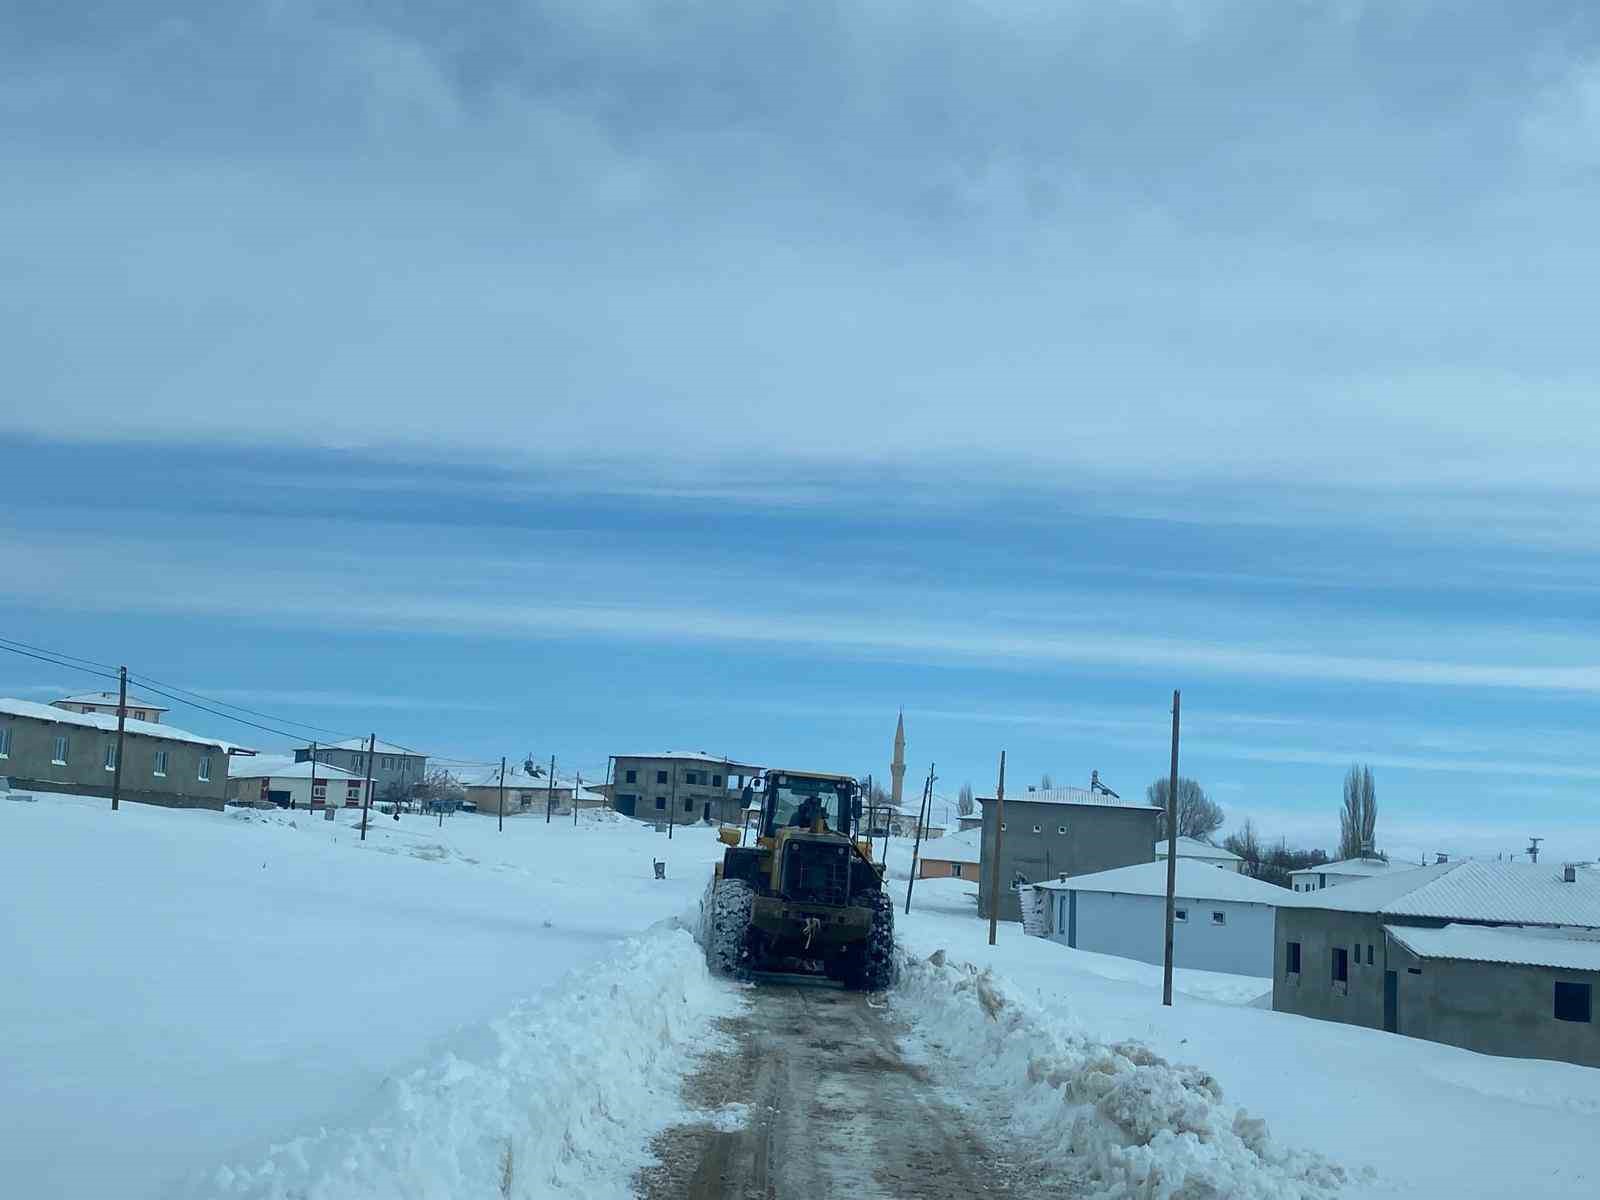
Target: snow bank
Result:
[[556, 1099], [1117, 1118]]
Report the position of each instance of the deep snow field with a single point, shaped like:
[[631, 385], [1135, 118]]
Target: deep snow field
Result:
[[254, 1004]]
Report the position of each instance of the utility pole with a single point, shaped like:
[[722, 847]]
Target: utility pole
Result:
[[366, 799], [999, 830], [550, 796], [672, 802], [916, 846], [577, 782], [502, 817], [122, 716], [310, 795], [1172, 857], [611, 781]]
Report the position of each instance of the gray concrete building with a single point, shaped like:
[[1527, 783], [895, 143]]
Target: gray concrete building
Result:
[[48, 749], [392, 766], [1062, 831], [108, 702], [1502, 958], [680, 786]]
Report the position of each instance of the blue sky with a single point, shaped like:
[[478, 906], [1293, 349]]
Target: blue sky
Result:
[[572, 377]]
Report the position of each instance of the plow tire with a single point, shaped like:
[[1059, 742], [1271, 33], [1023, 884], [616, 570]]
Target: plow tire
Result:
[[874, 966], [728, 928]]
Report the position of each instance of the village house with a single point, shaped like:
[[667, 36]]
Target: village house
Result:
[[107, 703], [525, 792], [1222, 920], [680, 786], [1065, 830], [1202, 852], [393, 767], [1347, 870], [955, 857], [278, 782], [45, 748], [1502, 958]]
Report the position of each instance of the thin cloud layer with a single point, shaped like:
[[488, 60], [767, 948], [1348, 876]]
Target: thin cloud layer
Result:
[[1286, 242]]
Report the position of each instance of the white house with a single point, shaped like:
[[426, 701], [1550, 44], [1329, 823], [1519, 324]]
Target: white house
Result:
[[1204, 852], [958, 856], [1224, 921], [287, 784], [1348, 870]]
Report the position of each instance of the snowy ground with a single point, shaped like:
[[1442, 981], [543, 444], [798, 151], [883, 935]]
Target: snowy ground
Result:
[[205, 1004], [1399, 1116], [186, 988]]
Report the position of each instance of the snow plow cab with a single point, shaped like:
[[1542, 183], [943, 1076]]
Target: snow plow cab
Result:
[[806, 897]]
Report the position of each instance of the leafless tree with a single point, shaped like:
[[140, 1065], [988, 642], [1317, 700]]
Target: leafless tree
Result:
[[1045, 782], [1199, 816], [1358, 818], [964, 801]]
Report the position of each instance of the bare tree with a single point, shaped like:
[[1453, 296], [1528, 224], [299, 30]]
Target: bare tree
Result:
[[1045, 782], [1358, 818], [964, 801], [440, 784], [1199, 816], [1247, 846]]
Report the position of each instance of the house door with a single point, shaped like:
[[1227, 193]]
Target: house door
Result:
[[1391, 1002]]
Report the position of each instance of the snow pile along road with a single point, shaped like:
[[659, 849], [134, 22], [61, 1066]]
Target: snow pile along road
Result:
[[1120, 1121], [557, 1099]]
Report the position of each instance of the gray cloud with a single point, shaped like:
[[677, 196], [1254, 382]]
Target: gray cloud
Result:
[[1255, 240]]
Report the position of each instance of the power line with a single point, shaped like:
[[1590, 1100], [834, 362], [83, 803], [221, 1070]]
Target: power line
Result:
[[72, 658], [56, 662], [153, 683]]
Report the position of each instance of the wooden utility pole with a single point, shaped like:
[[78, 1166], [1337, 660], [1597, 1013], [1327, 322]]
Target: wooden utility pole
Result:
[[999, 831], [550, 796], [611, 782], [502, 817], [577, 782], [122, 716], [672, 801], [916, 846], [1172, 858], [366, 797], [311, 796]]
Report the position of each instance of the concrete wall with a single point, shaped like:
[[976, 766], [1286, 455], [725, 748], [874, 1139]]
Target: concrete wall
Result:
[[518, 799], [404, 769], [685, 793], [248, 791], [1097, 838], [937, 868], [1493, 1008], [1135, 927], [29, 765]]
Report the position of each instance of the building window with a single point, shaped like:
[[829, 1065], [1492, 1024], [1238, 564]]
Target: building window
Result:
[[1291, 958], [58, 752], [5, 741], [1413, 970], [388, 763], [633, 777], [688, 805], [1572, 1002], [1038, 829], [1180, 914], [1219, 918], [661, 802], [692, 777], [716, 781], [1062, 830], [661, 776], [111, 756], [955, 870], [1369, 954], [1341, 965], [1002, 826], [138, 714], [205, 768], [160, 767], [319, 791], [360, 761]]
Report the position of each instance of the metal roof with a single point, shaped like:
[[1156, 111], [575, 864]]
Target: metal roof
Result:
[[1511, 893], [360, 745], [107, 723], [956, 847], [111, 699], [1564, 949], [1189, 847], [256, 769], [1196, 881], [1072, 795], [704, 756], [1356, 866]]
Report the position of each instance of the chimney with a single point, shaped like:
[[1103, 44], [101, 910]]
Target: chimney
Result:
[[1569, 874]]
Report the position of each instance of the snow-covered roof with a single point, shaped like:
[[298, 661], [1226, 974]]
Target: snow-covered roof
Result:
[[107, 723], [111, 699], [517, 777], [1564, 949], [1070, 795], [704, 756], [279, 768], [1189, 847], [1195, 881], [956, 847], [360, 744], [1356, 866], [1513, 893]]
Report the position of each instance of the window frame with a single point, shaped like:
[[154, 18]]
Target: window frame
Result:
[[1180, 916], [1574, 990], [1038, 828], [1219, 916], [158, 764], [632, 776], [5, 741], [1061, 831], [108, 760], [661, 804], [60, 750], [1339, 967], [1291, 958], [661, 777], [204, 769]]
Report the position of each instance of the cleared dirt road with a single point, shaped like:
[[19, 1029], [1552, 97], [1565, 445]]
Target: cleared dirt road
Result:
[[833, 1109]]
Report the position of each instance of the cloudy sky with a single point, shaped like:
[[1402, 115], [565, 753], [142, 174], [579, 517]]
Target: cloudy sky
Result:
[[602, 373]]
